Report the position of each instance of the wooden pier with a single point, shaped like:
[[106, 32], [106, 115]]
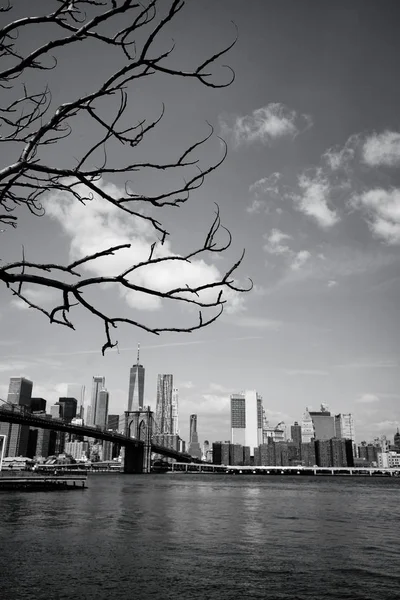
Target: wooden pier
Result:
[[29, 482]]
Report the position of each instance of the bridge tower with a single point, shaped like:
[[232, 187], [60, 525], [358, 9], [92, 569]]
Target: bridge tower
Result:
[[140, 425]]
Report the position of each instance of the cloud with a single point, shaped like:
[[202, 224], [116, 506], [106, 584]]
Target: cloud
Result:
[[256, 206], [186, 385], [265, 124], [311, 372], [300, 260], [37, 295], [98, 225], [367, 399], [382, 210], [313, 199], [382, 149], [266, 185], [332, 283], [258, 322], [274, 245], [340, 158]]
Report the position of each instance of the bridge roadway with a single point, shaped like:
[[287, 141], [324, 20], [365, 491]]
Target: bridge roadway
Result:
[[11, 415]]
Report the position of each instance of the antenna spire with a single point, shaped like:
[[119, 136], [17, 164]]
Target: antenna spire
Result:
[[138, 353]]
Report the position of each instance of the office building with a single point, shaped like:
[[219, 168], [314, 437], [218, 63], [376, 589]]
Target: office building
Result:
[[344, 427], [17, 436], [98, 384], [164, 404], [194, 446], [68, 408], [77, 391], [307, 428], [221, 452], [78, 450], [175, 408], [308, 456], [324, 424], [113, 422], [102, 409], [247, 419], [55, 411], [236, 455], [136, 385], [38, 405]]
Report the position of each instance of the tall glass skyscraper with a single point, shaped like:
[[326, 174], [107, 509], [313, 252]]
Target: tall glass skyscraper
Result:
[[247, 419], [102, 409], [136, 385], [98, 384], [164, 403], [77, 391], [175, 407], [16, 441]]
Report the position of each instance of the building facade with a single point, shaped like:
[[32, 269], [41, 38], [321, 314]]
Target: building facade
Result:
[[164, 404], [324, 424], [102, 409], [136, 385], [307, 428], [98, 384], [17, 436], [175, 411], [247, 419], [194, 446]]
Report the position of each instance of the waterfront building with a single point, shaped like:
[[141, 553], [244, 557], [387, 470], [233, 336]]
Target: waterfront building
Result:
[[388, 460], [307, 428], [113, 422], [396, 440], [236, 455], [164, 403], [78, 450], [98, 384], [247, 419], [323, 451], [324, 424], [17, 436], [221, 453], [281, 454], [308, 457], [136, 385], [339, 454], [368, 452], [102, 409], [194, 446], [295, 434], [265, 456]]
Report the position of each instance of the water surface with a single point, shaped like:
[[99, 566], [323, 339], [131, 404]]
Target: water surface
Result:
[[203, 537]]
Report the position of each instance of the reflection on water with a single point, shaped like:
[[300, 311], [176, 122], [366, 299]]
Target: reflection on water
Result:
[[203, 537]]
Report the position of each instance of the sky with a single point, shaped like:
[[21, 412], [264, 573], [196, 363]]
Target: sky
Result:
[[310, 189]]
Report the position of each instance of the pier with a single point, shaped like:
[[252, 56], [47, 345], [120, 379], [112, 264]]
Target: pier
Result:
[[27, 481]]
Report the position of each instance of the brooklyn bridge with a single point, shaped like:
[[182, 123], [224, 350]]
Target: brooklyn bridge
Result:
[[136, 441]]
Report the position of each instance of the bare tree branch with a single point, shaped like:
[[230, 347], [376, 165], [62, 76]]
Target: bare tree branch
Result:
[[31, 122]]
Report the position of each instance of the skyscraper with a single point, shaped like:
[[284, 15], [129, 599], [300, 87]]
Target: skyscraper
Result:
[[77, 391], [136, 385], [307, 428], [344, 427], [175, 407], [194, 446], [102, 409], [68, 408], [164, 403], [324, 424], [98, 384], [247, 419], [17, 436]]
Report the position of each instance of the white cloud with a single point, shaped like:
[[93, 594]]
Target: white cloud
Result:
[[99, 225], [311, 372], [257, 322], [340, 158], [266, 185], [367, 399], [382, 209], [37, 295], [332, 283], [256, 206], [300, 260], [266, 124], [382, 149], [274, 245], [313, 200]]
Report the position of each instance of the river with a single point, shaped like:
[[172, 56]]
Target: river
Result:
[[203, 537]]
